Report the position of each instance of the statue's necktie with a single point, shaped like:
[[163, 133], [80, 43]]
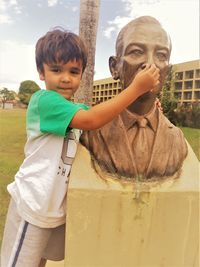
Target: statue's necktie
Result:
[[140, 146]]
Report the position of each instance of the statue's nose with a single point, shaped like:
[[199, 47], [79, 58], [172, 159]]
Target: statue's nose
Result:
[[149, 59], [143, 66]]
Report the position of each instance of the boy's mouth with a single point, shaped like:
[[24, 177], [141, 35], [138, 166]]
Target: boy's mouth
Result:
[[64, 88]]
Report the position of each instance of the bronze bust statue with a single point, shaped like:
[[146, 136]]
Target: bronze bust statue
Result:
[[141, 142]]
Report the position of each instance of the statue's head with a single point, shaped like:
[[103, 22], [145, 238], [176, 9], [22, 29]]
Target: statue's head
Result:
[[141, 41]]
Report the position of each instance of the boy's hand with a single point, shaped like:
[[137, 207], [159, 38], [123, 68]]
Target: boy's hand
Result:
[[147, 79]]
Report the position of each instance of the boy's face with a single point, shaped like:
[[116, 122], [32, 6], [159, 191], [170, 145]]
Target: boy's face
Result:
[[63, 78]]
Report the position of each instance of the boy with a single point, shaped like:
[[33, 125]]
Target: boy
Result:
[[34, 230]]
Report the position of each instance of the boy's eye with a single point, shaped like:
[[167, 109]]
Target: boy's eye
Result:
[[55, 70], [75, 71]]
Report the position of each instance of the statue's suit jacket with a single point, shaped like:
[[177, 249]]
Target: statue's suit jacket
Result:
[[112, 151]]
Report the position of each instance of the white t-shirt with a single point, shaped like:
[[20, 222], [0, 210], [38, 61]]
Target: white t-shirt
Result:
[[40, 186]]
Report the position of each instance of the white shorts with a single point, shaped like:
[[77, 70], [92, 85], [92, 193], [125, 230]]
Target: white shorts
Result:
[[24, 244]]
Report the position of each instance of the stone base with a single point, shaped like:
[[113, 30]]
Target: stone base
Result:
[[128, 224]]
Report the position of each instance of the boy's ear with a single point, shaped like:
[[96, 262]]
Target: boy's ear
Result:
[[113, 67], [41, 75]]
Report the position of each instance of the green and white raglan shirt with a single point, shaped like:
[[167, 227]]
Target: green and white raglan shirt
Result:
[[40, 185]]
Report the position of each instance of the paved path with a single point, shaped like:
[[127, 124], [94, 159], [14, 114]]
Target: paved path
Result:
[[55, 264]]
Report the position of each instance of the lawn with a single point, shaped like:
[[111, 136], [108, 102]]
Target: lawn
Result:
[[193, 137], [12, 140]]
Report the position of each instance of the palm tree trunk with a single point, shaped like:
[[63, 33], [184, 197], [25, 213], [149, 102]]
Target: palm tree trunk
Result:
[[89, 15]]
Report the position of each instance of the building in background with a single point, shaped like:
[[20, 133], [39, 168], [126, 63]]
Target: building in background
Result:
[[185, 84], [105, 89]]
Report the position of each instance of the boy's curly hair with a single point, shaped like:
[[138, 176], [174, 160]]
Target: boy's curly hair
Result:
[[59, 46]]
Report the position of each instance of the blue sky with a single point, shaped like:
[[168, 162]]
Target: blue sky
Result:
[[23, 22]]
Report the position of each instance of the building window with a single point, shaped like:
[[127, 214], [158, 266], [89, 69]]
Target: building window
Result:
[[102, 86], [187, 95], [197, 95], [179, 75], [188, 85], [189, 74], [197, 84], [177, 95], [178, 85], [197, 73], [110, 85], [187, 105], [106, 86], [115, 85]]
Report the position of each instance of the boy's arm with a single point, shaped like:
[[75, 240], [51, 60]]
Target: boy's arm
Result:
[[103, 113]]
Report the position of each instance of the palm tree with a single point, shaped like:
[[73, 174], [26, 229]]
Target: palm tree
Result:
[[89, 15]]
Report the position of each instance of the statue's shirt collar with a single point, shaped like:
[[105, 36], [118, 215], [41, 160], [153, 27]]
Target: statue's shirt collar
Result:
[[130, 119]]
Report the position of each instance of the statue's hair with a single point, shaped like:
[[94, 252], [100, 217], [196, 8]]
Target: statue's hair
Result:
[[135, 22]]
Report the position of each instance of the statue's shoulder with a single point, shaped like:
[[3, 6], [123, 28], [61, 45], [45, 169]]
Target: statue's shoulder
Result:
[[164, 121], [173, 135]]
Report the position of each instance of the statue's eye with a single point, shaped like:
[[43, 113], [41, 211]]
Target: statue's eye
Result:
[[136, 52], [162, 56]]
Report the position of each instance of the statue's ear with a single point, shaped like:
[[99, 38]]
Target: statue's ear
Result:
[[170, 67], [113, 67], [169, 70]]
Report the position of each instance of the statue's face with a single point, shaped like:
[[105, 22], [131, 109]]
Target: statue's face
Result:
[[142, 44]]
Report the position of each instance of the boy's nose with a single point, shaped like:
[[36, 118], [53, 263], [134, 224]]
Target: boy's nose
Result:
[[65, 78]]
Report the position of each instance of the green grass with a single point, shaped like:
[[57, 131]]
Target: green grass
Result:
[[193, 137], [12, 140]]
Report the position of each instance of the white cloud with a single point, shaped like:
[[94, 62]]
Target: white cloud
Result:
[[74, 8], [108, 31], [13, 2], [115, 25], [18, 10], [5, 6], [52, 3], [179, 18], [2, 5], [5, 19], [39, 5], [17, 64]]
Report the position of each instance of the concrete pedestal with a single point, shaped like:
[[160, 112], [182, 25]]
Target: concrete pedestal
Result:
[[130, 224]]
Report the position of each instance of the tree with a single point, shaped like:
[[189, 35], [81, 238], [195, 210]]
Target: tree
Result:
[[26, 89], [168, 101], [6, 95], [89, 15]]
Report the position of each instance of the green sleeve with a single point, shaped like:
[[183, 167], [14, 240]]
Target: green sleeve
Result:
[[56, 113]]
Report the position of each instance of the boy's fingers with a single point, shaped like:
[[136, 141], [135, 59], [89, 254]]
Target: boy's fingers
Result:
[[153, 68], [156, 72], [154, 88]]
